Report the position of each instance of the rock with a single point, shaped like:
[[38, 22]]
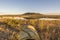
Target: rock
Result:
[[28, 32]]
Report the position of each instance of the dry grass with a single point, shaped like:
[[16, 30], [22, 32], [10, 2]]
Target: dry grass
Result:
[[43, 27]]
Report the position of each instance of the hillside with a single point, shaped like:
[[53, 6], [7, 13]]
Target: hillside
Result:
[[32, 16]]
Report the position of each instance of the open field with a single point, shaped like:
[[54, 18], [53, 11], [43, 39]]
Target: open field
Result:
[[47, 29]]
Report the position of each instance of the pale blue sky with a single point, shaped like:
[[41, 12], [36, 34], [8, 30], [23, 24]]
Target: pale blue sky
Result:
[[22, 6]]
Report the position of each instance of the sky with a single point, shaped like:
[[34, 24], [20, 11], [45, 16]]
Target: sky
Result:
[[22, 6]]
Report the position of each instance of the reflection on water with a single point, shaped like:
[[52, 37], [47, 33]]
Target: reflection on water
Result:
[[48, 19]]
